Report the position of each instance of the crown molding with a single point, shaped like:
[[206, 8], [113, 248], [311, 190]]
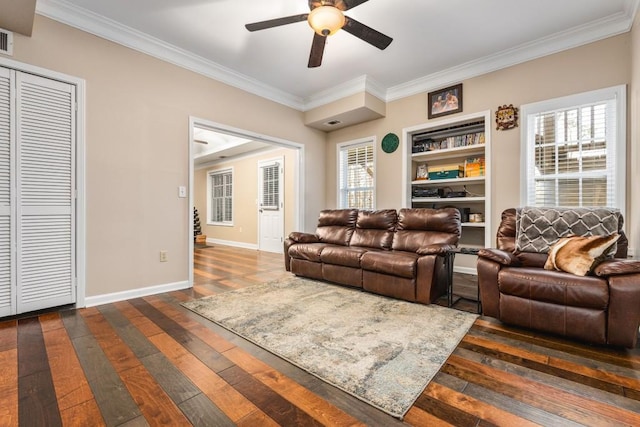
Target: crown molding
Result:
[[87, 21], [66, 13], [574, 37]]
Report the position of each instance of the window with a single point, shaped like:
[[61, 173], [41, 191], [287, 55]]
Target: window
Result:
[[573, 150], [221, 197], [356, 169], [270, 186]]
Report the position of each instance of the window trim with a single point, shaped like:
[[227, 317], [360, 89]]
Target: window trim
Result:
[[616, 93], [354, 144], [210, 175]]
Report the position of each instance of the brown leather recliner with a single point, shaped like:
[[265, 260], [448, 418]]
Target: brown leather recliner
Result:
[[602, 308]]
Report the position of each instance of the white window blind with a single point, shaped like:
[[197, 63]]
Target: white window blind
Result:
[[574, 151], [356, 175], [270, 187], [221, 200]]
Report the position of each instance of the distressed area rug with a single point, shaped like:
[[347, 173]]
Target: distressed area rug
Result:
[[380, 350]]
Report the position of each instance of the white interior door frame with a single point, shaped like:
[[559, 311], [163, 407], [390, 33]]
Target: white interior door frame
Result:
[[298, 173]]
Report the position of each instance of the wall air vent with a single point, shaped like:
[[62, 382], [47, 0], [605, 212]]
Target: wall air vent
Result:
[[6, 42]]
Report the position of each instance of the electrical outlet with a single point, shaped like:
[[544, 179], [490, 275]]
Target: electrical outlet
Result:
[[164, 257]]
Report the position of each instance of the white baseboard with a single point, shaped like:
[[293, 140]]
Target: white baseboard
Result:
[[232, 243], [134, 293], [465, 270]]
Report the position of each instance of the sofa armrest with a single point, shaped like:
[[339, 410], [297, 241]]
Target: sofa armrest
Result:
[[434, 249], [296, 237], [499, 256], [488, 271], [299, 237], [617, 266], [623, 313]]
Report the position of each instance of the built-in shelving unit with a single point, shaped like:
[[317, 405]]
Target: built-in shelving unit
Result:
[[443, 146]]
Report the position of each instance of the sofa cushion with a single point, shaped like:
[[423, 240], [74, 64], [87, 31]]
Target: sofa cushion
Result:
[[348, 256], [374, 229], [538, 228], [307, 251], [395, 263], [422, 227], [579, 254], [336, 225], [554, 287]]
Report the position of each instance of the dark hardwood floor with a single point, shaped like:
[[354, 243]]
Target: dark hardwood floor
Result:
[[148, 361]]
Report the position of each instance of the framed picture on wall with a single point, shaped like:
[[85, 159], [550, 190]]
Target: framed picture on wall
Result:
[[445, 101]]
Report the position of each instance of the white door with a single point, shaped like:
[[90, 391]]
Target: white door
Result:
[[271, 205], [41, 182], [7, 270]]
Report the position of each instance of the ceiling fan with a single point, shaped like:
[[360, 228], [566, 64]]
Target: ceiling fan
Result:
[[326, 18]]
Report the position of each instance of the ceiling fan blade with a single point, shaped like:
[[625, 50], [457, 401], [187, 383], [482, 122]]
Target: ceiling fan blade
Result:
[[350, 4], [340, 4], [263, 25], [317, 49], [367, 34]]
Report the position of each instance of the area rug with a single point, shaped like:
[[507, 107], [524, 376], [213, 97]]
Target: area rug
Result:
[[380, 350]]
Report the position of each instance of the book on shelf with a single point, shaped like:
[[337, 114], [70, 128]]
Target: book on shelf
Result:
[[474, 167], [463, 140]]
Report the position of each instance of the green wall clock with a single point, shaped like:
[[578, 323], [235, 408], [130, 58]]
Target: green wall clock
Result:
[[390, 143]]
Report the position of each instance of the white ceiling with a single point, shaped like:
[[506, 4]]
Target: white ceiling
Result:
[[436, 42], [211, 147]]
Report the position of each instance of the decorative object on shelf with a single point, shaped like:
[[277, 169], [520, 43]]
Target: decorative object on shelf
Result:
[[449, 171], [390, 143], [422, 172], [445, 101], [476, 217], [506, 117]]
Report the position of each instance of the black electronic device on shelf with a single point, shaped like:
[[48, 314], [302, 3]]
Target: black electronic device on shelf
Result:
[[451, 194], [427, 192]]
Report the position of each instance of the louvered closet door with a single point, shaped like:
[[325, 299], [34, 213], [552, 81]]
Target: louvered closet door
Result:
[[7, 279], [45, 229]]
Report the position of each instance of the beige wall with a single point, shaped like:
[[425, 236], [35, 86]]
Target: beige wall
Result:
[[245, 186], [634, 156], [137, 131], [597, 65]]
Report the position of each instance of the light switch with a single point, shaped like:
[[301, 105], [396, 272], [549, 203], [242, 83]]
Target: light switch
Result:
[[182, 191]]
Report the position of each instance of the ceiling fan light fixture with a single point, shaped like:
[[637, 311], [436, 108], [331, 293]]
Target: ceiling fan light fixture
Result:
[[326, 20]]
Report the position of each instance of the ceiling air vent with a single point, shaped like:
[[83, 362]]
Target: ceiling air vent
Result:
[[333, 122], [6, 42]]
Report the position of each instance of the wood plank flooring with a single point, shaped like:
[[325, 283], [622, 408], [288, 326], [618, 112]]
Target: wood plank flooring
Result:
[[148, 361]]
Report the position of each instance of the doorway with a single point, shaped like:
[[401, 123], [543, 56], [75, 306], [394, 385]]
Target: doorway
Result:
[[270, 224]]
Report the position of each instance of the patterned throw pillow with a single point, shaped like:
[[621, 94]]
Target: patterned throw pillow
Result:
[[538, 228], [578, 254]]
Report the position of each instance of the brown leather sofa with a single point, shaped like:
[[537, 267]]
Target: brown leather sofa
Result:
[[601, 308], [397, 254]]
